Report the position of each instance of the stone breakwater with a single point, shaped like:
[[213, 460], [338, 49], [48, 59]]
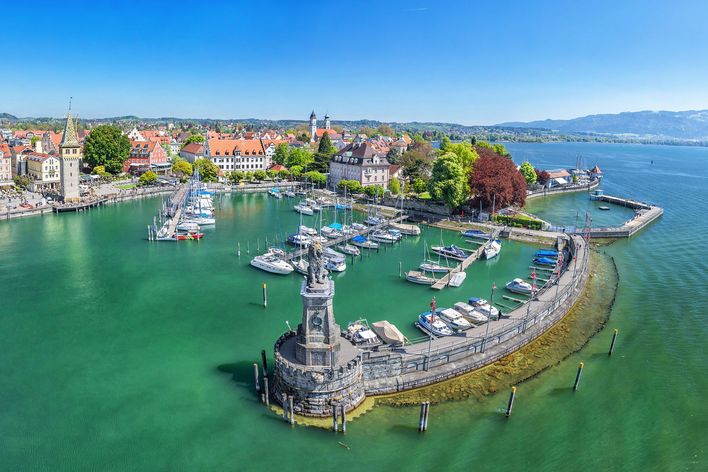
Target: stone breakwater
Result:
[[396, 369]]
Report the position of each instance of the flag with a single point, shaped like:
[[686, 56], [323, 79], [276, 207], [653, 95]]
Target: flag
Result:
[[533, 274]]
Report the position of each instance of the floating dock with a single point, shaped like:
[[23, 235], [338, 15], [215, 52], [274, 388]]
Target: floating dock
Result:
[[445, 280]]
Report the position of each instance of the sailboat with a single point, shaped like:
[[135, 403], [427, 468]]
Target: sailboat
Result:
[[430, 266]]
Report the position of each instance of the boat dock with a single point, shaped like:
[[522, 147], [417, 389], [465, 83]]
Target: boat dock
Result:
[[644, 214], [80, 206], [444, 281], [331, 242]]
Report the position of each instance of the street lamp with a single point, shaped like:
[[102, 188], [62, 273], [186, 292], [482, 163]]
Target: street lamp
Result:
[[489, 319]]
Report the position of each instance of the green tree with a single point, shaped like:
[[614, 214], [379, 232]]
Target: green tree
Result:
[[501, 150], [100, 171], [416, 162], [528, 172], [316, 178], [296, 171], [419, 185], [394, 185], [107, 146], [194, 138], [448, 181], [374, 190], [181, 168], [299, 157], [34, 140], [236, 177], [368, 131], [281, 154], [351, 186], [386, 130], [444, 144], [466, 155], [393, 156], [325, 146], [208, 171], [148, 178], [260, 175]]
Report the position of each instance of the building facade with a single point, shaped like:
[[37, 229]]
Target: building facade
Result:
[[359, 161], [228, 155], [44, 172], [70, 162], [144, 156], [5, 164]]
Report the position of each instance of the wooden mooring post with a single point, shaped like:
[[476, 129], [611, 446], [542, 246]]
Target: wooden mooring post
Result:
[[577, 376], [265, 295], [255, 377], [284, 398], [424, 413], [344, 419], [266, 393], [612, 344], [265, 363], [335, 418], [510, 405], [292, 409]]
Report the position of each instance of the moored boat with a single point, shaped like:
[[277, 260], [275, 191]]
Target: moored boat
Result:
[[361, 241], [482, 306], [433, 324], [382, 236], [303, 209], [519, 286], [475, 233], [434, 268], [454, 319], [419, 278], [269, 262], [492, 249], [405, 228], [470, 313], [451, 251], [457, 278], [349, 249], [547, 261]]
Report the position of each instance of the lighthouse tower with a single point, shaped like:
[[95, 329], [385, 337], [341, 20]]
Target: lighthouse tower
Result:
[[313, 125], [69, 159]]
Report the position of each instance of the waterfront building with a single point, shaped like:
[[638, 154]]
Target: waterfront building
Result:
[[144, 156], [70, 161], [44, 172], [595, 173], [192, 151], [236, 154], [5, 164], [361, 162], [50, 142], [558, 177], [19, 162]]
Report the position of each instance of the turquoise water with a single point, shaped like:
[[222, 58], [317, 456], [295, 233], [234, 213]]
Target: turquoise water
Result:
[[118, 354]]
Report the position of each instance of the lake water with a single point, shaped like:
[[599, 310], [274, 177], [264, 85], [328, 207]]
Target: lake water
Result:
[[111, 345]]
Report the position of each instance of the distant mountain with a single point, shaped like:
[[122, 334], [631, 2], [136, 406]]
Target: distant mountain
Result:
[[8, 117], [692, 124]]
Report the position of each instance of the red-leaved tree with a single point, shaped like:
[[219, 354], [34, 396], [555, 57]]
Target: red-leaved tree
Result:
[[542, 176], [496, 179]]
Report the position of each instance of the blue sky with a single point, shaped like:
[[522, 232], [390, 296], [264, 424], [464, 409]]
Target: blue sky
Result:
[[474, 62]]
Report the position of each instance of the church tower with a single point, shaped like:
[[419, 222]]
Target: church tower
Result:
[[327, 123], [313, 126], [69, 161]]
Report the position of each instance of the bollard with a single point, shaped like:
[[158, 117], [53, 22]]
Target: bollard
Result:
[[239, 250], [292, 410], [612, 344], [344, 420], [255, 376], [400, 268], [511, 401], [263, 400], [427, 415], [265, 295], [422, 415], [335, 418], [265, 391], [284, 397], [577, 376], [265, 363]]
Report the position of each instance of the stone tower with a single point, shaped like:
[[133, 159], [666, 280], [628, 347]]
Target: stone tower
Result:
[[69, 161], [313, 125], [316, 365], [327, 123]]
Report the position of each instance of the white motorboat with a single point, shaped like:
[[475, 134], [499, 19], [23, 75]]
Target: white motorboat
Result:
[[306, 230], [470, 313], [349, 249], [289, 194], [451, 251], [201, 220], [395, 233], [303, 209], [419, 278], [361, 241], [334, 265], [383, 237], [300, 265], [331, 233], [457, 278], [373, 220], [519, 286], [275, 192], [434, 268], [319, 238], [482, 306], [269, 262], [454, 319], [492, 249], [300, 240], [358, 226], [434, 325], [330, 253], [361, 334]]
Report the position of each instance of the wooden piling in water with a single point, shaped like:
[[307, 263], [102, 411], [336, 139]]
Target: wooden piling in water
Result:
[[422, 416], [284, 397], [335, 418], [612, 344], [427, 415], [292, 409], [510, 405], [265, 363], [344, 419], [265, 391], [255, 377], [265, 295], [577, 376]]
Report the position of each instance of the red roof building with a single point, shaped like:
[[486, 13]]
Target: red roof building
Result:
[[144, 156]]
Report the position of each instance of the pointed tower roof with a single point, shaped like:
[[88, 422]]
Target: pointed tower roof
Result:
[[70, 138], [312, 115]]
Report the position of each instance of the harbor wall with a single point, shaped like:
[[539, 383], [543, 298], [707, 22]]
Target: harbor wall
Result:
[[546, 192], [395, 370]]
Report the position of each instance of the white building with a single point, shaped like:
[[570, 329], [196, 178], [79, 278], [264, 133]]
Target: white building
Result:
[[359, 161]]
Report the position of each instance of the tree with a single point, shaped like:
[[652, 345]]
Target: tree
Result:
[[316, 178], [528, 172], [393, 156], [496, 180], [368, 131], [351, 186], [296, 171], [207, 169], [394, 185], [100, 171], [325, 146], [181, 168], [260, 175], [299, 157], [107, 146], [195, 138], [374, 190], [281, 154], [417, 161], [386, 130], [542, 177], [445, 143], [419, 186], [148, 178], [236, 177], [448, 181], [466, 155]]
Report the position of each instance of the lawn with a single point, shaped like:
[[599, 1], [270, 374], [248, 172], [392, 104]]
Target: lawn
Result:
[[126, 186]]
